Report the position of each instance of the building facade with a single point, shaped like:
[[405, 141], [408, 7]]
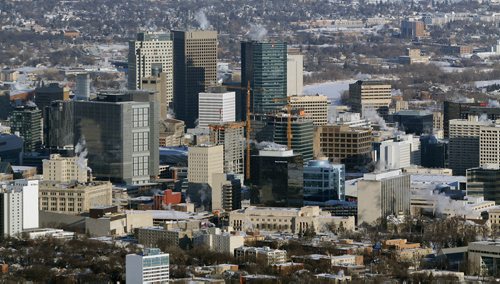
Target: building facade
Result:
[[195, 64], [374, 95], [489, 145], [152, 266], [226, 192], [65, 169], [483, 181], [313, 107], [27, 121], [323, 182], [203, 162], [264, 65], [232, 137], [74, 198], [295, 73], [150, 59], [18, 207], [216, 107], [383, 194]]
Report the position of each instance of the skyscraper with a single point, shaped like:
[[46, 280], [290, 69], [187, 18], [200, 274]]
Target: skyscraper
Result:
[[203, 162], [27, 121], [231, 136], [370, 95], [82, 86], [216, 106], [18, 207], [264, 65], [150, 58], [195, 64], [295, 73], [483, 182], [44, 95]]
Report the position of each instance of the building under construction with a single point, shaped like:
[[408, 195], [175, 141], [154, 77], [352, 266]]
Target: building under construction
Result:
[[231, 136], [274, 127]]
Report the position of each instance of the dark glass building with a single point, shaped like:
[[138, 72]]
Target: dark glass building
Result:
[[484, 181], [264, 65], [323, 182], [413, 121], [434, 152], [27, 121], [277, 178]]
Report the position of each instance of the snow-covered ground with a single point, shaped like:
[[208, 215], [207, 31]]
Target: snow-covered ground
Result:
[[483, 84], [333, 90]]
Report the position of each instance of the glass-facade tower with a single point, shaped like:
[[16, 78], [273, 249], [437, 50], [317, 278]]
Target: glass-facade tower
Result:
[[323, 182]]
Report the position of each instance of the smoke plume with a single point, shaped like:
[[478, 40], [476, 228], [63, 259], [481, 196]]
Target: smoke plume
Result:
[[257, 32], [372, 115], [202, 20], [81, 154], [268, 144]]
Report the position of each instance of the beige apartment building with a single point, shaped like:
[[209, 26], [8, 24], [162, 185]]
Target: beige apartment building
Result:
[[204, 161], [65, 169], [314, 107], [74, 198], [489, 145]]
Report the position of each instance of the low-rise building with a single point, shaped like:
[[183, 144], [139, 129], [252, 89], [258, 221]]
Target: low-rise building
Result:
[[484, 258], [152, 236], [287, 220], [74, 198], [264, 254], [152, 266], [219, 241], [118, 224]]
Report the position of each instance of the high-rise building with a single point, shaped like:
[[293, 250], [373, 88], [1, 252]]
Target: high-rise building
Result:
[[11, 148], [226, 192], [383, 194], [264, 65], [65, 169], [120, 131], [483, 182], [44, 95], [489, 145], [150, 66], [313, 107], [464, 143], [434, 152], [452, 110], [195, 64], [346, 145], [397, 153], [277, 177], [203, 162], [216, 106], [374, 95], [18, 207], [27, 121], [231, 136], [58, 125], [152, 266], [295, 73], [323, 182], [82, 86], [74, 198]]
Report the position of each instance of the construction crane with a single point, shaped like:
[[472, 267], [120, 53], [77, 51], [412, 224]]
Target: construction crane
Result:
[[248, 125], [288, 120]]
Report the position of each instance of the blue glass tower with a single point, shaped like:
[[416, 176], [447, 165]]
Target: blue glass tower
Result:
[[323, 181]]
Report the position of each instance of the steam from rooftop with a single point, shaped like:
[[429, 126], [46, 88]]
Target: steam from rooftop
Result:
[[202, 20], [257, 32]]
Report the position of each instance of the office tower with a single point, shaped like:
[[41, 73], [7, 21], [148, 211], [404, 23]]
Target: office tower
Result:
[[411, 28], [203, 162], [370, 95], [152, 266], [277, 178], [27, 121], [346, 145], [413, 121], [195, 65], [65, 169], [483, 182], [383, 194], [18, 207], [464, 143], [120, 131], [44, 95], [150, 66], [264, 65], [434, 152], [216, 106], [397, 153], [323, 182], [437, 121], [82, 86], [489, 145], [74, 198], [232, 137], [295, 73], [311, 107], [226, 192], [58, 125]]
